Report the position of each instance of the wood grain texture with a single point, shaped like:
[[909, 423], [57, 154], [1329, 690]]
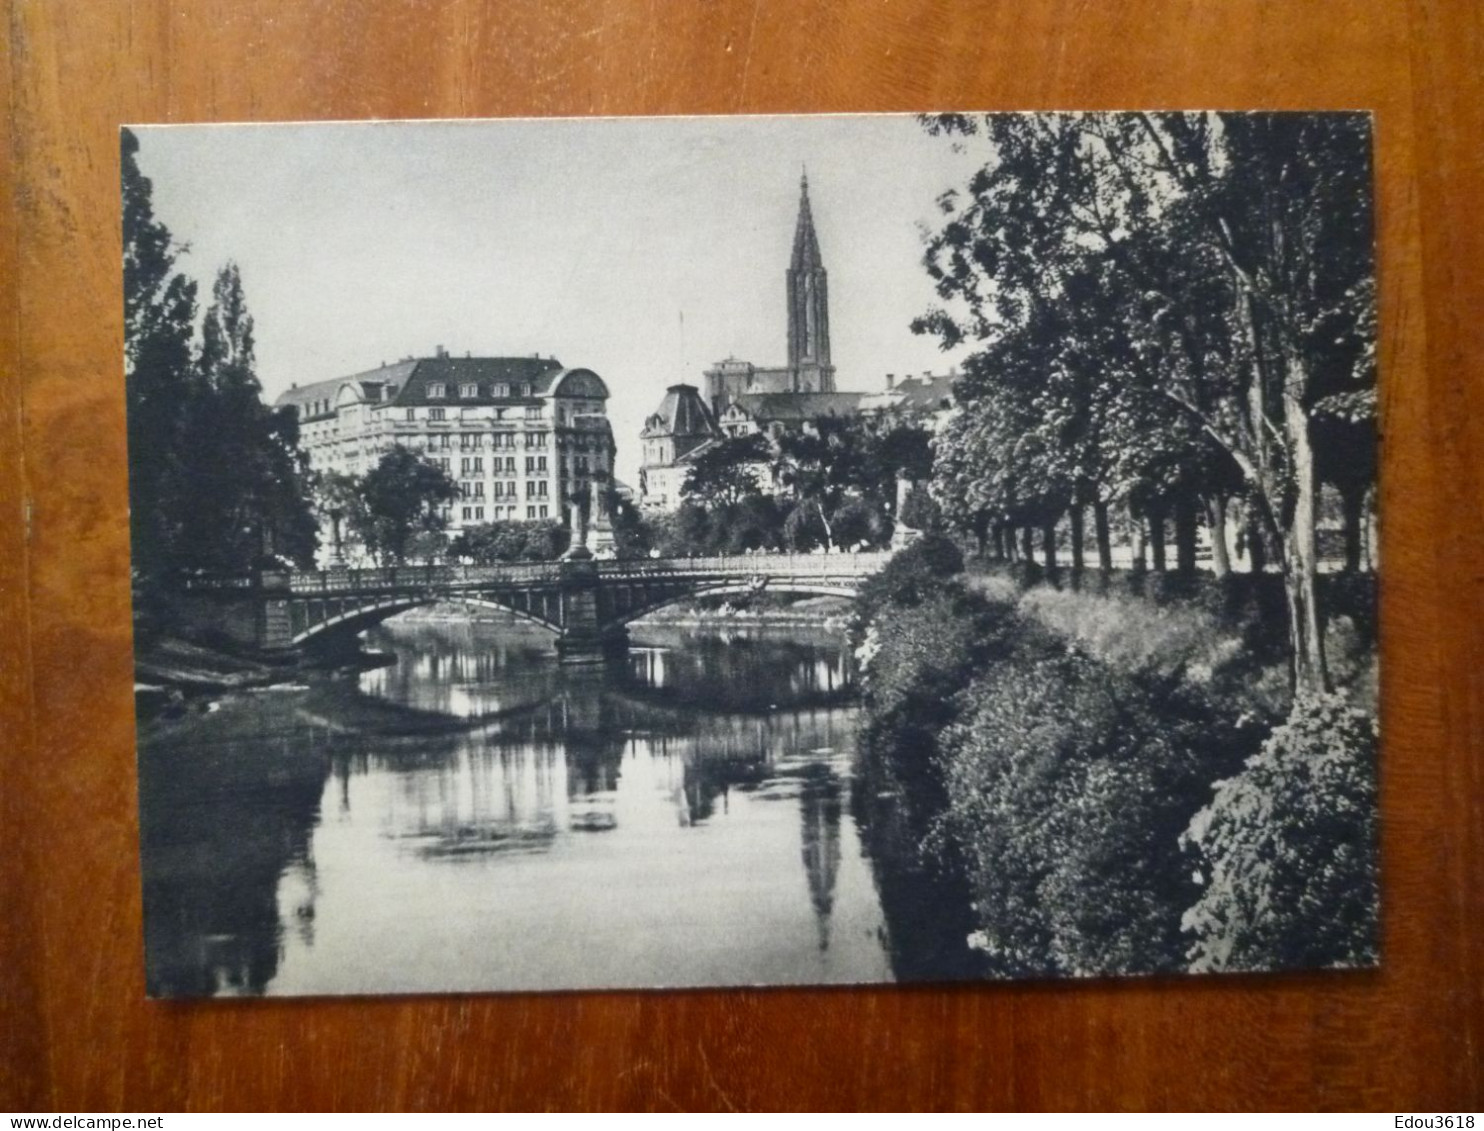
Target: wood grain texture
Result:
[[77, 1033]]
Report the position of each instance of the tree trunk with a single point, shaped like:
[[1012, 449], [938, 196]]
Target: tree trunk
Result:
[[1157, 538], [829, 534], [1076, 517], [1027, 548], [1257, 547], [1221, 563], [1138, 544], [1048, 544], [1185, 536], [1352, 505], [1300, 544], [1105, 541]]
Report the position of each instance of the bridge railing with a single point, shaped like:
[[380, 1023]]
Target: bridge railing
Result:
[[419, 577], [346, 580], [746, 565]]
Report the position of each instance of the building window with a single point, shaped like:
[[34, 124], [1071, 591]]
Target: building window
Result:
[[502, 390], [530, 512], [435, 414], [509, 465], [543, 512], [541, 463], [468, 513], [478, 514], [541, 489], [412, 414], [470, 391], [530, 465], [525, 390], [436, 391], [533, 412]]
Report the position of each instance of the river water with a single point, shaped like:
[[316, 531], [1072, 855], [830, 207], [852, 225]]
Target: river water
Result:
[[476, 816]]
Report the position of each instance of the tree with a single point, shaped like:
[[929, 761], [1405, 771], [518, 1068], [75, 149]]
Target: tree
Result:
[[726, 472], [1233, 254], [337, 500], [404, 496], [248, 488], [159, 314]]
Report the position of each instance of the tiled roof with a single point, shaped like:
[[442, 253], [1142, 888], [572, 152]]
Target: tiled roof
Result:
[[681, 413], [539, 373], [798, 406], [370, 382], [410, 380], [927, 392], [690, 456]]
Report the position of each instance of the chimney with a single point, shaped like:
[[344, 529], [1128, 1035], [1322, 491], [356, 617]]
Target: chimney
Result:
[[891, 380], [441, 352]]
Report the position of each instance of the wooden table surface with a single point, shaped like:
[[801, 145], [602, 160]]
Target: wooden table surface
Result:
[[77, 1033]]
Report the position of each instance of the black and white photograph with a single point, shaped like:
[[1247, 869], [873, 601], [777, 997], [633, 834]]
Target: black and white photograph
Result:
[[750, 551]]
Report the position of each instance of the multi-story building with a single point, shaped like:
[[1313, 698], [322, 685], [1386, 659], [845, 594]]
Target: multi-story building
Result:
[[523, 437], [674, 434]]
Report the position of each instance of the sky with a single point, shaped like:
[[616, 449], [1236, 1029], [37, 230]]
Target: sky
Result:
[[643, 248]]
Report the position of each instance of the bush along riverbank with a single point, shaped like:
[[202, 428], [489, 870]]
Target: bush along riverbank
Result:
[[1122, 779]]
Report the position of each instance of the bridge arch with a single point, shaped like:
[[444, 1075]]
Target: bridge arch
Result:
[[730, 588], [355, 621]]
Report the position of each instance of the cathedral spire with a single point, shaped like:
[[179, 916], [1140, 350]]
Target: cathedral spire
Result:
[[806, 243], [809, 365]]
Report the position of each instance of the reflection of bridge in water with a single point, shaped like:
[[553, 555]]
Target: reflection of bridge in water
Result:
[[586, 603]]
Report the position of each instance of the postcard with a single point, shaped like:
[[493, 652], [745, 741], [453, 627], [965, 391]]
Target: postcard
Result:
[[681, 552]]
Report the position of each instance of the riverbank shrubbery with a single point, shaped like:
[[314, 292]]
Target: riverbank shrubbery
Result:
[[1069, 782], [1289, 849], [1060, 749]]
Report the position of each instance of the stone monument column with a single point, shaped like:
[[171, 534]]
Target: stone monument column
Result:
[[902, 534], [600, 540]]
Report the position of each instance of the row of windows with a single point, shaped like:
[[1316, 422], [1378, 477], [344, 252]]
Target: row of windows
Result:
[[476, 514], [438, 391], [474, 489], [474, 465]]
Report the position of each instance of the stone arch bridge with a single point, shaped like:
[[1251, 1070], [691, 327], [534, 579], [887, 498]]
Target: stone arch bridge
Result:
[[585, 603]]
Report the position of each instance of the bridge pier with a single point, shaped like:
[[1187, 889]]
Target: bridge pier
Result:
[[583, 638]]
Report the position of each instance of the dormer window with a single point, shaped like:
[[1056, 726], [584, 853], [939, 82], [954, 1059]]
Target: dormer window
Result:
[[525, 389], [469, 391], [502, 390], [437, 391]]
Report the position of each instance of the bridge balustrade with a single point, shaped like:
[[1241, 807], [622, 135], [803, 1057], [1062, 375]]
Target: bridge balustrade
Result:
[[346, 580], [731, 565]]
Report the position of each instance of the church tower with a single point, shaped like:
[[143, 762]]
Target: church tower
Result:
[[809, 367]]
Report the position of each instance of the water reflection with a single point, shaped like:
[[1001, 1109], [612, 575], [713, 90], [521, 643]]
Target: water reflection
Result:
[[476, 816]]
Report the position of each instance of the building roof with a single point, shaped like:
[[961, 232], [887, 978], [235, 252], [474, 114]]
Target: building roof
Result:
[[694, 453], [681, 413], [798, 406], [409, 381], [369, 385], [927, 393]]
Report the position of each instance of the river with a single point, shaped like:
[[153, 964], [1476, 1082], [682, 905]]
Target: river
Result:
[[476, 816]]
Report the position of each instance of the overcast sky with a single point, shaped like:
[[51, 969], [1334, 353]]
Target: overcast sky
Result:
[[583, 238]]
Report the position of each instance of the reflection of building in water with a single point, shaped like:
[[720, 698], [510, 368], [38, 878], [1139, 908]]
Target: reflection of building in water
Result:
[[819, 808]]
